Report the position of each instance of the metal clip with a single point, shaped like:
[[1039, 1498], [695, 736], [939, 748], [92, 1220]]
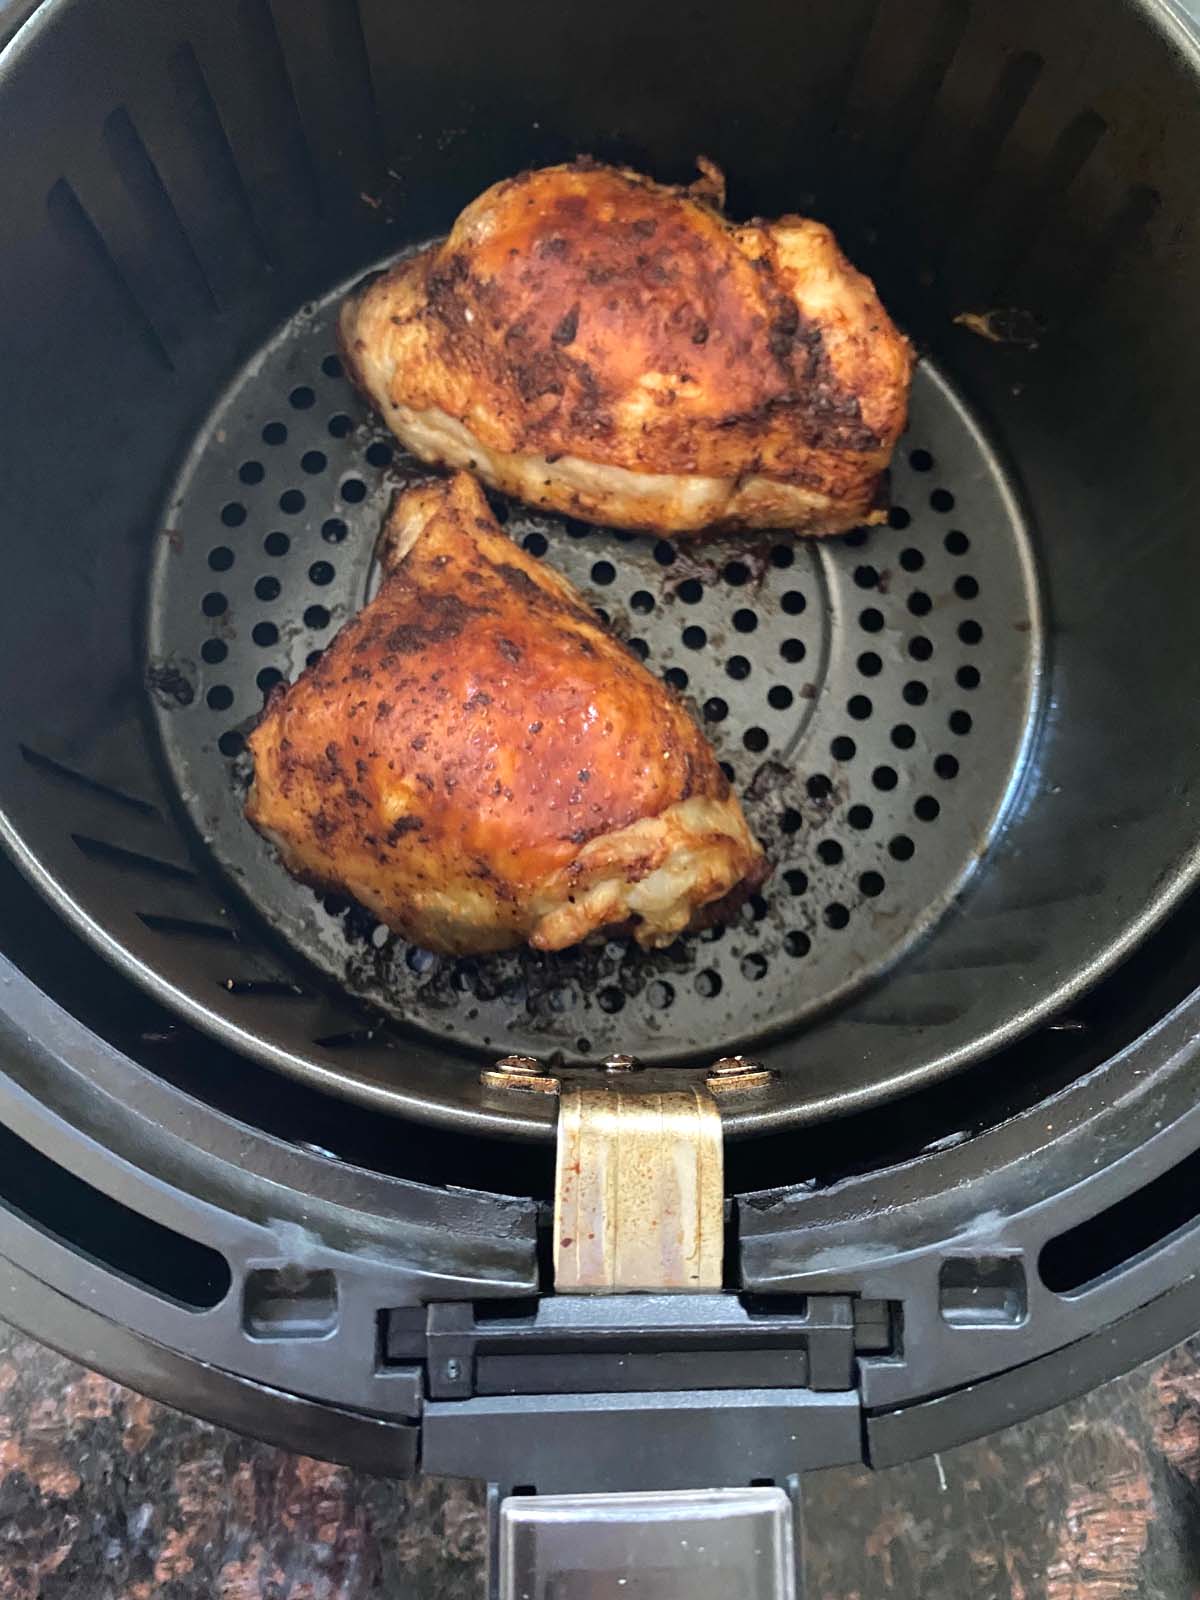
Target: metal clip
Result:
[[639, 1194]]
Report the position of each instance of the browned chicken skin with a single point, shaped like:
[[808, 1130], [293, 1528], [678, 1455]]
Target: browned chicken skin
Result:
[[480, 763], [594, 342]]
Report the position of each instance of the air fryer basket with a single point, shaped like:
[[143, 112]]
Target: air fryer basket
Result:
[[968, 738]]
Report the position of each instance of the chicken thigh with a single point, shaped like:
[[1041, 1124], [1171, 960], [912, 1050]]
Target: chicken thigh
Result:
[[606, 346], [480, 763]]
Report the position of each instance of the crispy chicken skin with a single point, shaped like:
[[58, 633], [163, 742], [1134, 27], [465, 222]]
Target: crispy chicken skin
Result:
[[606, 346], [480, 763]]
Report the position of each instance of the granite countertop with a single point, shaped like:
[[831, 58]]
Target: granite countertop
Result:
[[105, 1495]]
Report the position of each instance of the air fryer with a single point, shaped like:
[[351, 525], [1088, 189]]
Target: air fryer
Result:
[[247, 1159]]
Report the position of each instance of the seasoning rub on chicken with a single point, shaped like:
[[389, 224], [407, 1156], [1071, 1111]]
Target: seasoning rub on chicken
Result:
[[478, 761], [599, 344]]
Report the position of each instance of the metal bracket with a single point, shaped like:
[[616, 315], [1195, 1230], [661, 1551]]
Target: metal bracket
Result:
[[639, 1192]]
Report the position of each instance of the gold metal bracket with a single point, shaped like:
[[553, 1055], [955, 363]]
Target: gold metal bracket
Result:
[[639, 1193]]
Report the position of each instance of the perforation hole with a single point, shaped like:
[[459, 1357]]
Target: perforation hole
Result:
[[830, 852], [265, 634], [275, 433], [960, 722], [536, 543], [277, 544], [835, 915], [915, 693], [736, 573], [677, 678], [754, 967], [321, 573], [819, 786], [911, 560], [869, 664], [967, 677], [946, 766], [334, 530], [314, 461], [793, 602], [690, 591], [213, 651], [340, 425], [898, 517], [926, 808], [664, 553], [267, 588], [942, 500], [860, 817], [219, 697], [708, 983], [956, 542], [904, 736], [920, 460], [694, 637], [331, 367], [871, 620], [231, 743], [871, 884], [292, 502], [796, 880], [353, 490], [715, 709], [920, 648], [268, 678], [797, 943], [745, 621], [843, 748], [214, 604], [782, 555], [302, 398], [603, 572], [779, 697], [885, 778], [901, 848], [316, 617], [737, 667], [970, 631], [919, 603], [233, 514], [220, 559], [641, 601], [252, 472], [791, 821], [859, 707], [755, 740], [866, 577], [966, 587], [380, 454]]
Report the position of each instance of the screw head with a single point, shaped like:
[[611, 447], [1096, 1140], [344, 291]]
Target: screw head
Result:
[[620, 1063], [733, 1074], [520, 1066], [520, 1072], [734, 1067]]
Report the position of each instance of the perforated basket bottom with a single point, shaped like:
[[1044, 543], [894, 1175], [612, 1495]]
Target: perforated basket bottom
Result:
[[870, 696]]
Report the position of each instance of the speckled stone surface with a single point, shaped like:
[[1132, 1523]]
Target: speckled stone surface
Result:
[[107, 1496]]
